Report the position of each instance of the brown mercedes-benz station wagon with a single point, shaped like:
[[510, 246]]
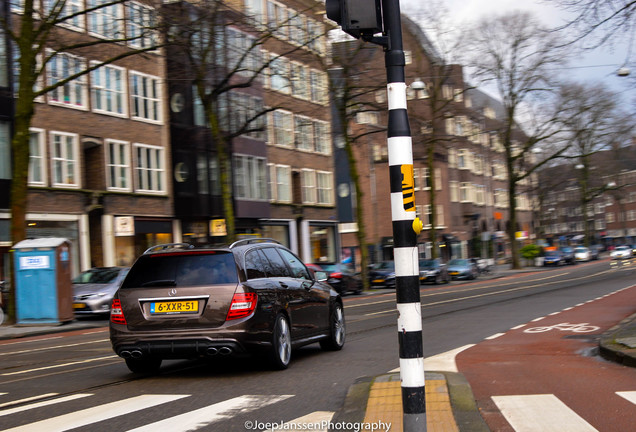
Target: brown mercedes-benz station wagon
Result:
[[254, 297]]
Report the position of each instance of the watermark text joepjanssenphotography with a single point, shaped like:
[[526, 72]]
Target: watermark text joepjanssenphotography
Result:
[[322, 425]]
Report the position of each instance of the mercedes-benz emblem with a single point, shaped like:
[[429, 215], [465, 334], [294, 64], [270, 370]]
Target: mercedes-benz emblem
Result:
[[173, 292]]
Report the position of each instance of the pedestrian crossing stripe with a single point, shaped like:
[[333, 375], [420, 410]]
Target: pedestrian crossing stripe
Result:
[[42, 404], [219, 411], [96, 414], [540, 413], [188, 421]]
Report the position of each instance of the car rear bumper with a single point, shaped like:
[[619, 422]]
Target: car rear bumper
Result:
[[180, 349]]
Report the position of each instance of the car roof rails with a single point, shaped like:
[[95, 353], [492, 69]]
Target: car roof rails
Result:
[[252, 240], [160, 247]]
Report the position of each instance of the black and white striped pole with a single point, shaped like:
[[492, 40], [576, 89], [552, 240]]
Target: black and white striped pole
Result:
[[366, 19], [406, 227]]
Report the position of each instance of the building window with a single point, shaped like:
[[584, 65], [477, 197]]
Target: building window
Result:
[[480, 194], [454, 191], [324, 187], [73, 9], [465, 192], [4, 60], [106, 19], [150, 168], [299, 81], [308, 186], [145, 96], [5, 150], [278, 19], [280, 183], [250, 177], [215, 176], [303, 133], [279, 74], [322, 137], [64, 159], [141, 21], [243, 53], [439, 220], [317, 86], [254, 8], [37, 161], [73, 93], [452, 158], [109, 90], [283, 128], [118, 165]]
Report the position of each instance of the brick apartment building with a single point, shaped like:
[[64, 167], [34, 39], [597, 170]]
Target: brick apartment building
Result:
[[606, 216], [460, 126], [282, 170], [98, 172]]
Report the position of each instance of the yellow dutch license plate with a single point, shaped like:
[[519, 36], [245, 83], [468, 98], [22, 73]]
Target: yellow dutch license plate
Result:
[[378, 280], [79, 305], [174, 307], [454, 273]]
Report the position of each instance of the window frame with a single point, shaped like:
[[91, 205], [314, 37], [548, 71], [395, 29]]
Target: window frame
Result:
[[155, 105], [122, 166], [65, 160], [120, 94], [158, 174]]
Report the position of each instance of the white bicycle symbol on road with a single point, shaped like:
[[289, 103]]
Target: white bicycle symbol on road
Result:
[[576, 328]]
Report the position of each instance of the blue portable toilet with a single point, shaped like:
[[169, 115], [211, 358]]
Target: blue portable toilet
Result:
[[43, 289]]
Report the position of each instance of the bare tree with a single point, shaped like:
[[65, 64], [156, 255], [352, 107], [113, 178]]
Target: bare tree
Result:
[[354, 97], [514, 54], [594, 124], [600, 21], [439, 42]]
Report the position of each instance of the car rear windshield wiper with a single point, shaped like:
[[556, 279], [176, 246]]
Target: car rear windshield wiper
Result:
[[161, 282]]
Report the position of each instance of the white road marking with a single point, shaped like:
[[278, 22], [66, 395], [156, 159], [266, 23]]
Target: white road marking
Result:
[[54, 347], [443, 362], [96, 414], [629, 395], [495, 336], [540, 413], [315, 419], [59, 365], [42, 396], [43, 403], [220, 411]]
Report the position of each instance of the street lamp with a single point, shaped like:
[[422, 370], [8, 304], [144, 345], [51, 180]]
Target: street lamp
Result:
[[623, 71]]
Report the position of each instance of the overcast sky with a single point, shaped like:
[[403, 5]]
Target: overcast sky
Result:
[[600, 66]]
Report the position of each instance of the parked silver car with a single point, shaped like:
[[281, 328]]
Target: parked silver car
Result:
[[94, 289]]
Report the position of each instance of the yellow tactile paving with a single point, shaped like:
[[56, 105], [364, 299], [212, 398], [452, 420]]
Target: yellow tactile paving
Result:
[[385, 405]]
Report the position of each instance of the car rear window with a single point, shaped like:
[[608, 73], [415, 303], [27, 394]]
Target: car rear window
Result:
[[97, 276], [183, 269]]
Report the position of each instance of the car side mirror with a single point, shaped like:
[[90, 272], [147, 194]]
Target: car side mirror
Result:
[[321, 276]]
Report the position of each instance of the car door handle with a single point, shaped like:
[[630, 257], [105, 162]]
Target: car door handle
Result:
[[284, 285]]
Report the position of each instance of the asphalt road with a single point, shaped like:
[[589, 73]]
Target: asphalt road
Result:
[[73, 380]]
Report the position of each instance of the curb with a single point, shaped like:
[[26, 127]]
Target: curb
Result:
[[618, 344]]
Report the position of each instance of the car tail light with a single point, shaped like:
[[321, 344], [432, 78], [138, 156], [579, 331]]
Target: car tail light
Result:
[[243, 304], [336, 275], [116, 313]]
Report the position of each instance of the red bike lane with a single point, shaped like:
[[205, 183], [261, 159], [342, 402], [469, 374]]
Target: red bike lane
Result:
[[553, 356]]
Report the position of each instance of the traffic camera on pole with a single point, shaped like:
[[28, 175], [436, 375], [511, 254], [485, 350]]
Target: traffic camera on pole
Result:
[[359, 18]]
